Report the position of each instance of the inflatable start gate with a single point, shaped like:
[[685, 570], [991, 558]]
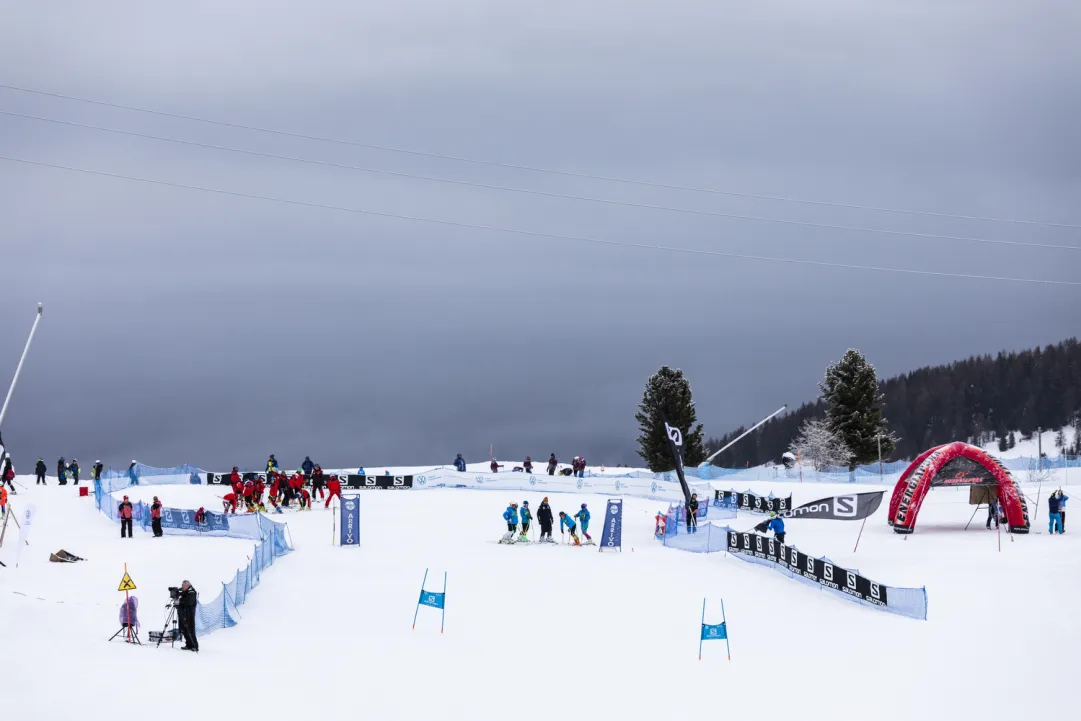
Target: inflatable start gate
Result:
[[955, 464]]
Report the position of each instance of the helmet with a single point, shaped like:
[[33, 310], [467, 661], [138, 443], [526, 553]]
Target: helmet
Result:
[[98, 461], [583, 505], [513, 504], [299, 471], [562, 513], [133, 461], [772, 514], [528, 458], [525, 503]]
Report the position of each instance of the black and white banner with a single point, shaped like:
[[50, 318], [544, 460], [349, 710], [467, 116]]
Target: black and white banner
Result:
[[852, 507], [751, 502], [352, 481], [675, 444], [818, 570]]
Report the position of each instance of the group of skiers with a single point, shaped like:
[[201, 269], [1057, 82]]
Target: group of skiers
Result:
[[283, 489], [64, 472], [578, 466], [519, 521]]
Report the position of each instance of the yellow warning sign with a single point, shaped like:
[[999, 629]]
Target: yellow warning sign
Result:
[[126, 584]]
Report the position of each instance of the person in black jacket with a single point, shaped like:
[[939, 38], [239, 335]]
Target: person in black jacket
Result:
[[544, 518], [692, 514], [552, 463], [40, 469], [185, 616], [95, 472], [319, 482], [62, 472]]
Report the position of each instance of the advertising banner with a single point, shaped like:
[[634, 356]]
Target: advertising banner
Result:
[[748, 501], [350, 521], [612, 533], [851, 507]]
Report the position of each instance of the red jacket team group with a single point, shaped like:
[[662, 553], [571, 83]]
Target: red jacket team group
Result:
[[283, 489]]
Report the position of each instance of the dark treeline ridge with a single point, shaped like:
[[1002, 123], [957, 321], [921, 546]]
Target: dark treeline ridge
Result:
[[978, 399]]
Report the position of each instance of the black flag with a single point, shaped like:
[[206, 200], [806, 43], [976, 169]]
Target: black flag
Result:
[[675, 442]]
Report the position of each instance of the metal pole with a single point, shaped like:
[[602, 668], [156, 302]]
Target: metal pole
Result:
[[18, 368], [880, 456], [746, 432], [859, 536], [1039, 449]]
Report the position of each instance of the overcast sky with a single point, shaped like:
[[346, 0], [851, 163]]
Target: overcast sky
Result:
[[182, 326]]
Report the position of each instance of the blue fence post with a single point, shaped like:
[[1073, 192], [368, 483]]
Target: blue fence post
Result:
[[418, 600]]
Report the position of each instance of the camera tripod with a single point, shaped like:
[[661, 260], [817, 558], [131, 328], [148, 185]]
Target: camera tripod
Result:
[[170, 630]]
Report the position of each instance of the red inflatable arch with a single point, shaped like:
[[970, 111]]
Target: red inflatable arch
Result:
[[955, 464]]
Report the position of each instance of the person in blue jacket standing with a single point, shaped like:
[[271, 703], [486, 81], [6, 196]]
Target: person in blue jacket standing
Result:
[[527, 518], [565, 520], [133, 475], [1062, 511], [307, 466], [1054, 514], [459, 464], [511, 517], [583, 516], [776, 524]]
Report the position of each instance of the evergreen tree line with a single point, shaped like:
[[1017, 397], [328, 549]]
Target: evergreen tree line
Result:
[[980, 399]]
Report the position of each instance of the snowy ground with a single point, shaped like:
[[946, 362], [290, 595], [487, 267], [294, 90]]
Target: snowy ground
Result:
[[543, 632]]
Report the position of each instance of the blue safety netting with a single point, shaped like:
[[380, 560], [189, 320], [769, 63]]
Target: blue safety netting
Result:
[[222, 611], [706, 538], [152, 475]]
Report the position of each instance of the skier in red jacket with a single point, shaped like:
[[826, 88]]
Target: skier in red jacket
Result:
[[229, 503], [335, 488], [249, 492], [305, 499]]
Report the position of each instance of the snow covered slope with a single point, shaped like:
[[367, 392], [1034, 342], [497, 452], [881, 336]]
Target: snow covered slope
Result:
[[541, 632]]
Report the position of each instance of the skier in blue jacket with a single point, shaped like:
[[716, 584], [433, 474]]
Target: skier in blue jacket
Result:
[[776, 524], [1061, 511], [511, 517], [583, 516], [527, 517], [133, 474], [565, 520], [459, 464]]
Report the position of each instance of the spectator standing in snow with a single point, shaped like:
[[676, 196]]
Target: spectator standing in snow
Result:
[[155, 517], [8, 474], [124, 511], [776, 524], [307, 466], [495, 466], [319, 480], [552, 464], [96, 470], [1062, 511], [271, 464], [1054, 520], [459, 464], [544, 517], [73, 471], [185, 616], [133, 473], [62, 472], [692, 514], [992, 512], [39, 469], [528, 465]]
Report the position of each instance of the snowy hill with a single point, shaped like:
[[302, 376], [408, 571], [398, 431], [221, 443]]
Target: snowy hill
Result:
[[537, 631]]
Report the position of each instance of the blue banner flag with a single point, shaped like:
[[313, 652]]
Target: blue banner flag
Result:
[[434, 599], [612, 533], [350, 521], [431, 598], [712, 632]]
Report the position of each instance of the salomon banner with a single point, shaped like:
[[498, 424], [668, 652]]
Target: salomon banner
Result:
[[184, 519], [350, 521], [818, 570], [222, 479], [750, 502], [393, 483], [853, 507], [675, 443], [612, 533]]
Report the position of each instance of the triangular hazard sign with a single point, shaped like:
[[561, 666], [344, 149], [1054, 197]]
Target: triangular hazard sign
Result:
[[126, 584]]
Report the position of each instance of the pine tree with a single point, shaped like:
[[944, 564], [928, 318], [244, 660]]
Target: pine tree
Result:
[[1012, 442], [1003, 444], [854, 408], [1060, 439], [668, 391]]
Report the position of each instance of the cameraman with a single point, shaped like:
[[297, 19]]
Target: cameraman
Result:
[[185, 613]]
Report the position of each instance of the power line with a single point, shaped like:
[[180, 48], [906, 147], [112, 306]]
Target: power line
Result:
[[548, 194], [534, 169], [537, 234]]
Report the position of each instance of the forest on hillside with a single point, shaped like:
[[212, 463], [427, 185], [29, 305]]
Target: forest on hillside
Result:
[[979, 399]]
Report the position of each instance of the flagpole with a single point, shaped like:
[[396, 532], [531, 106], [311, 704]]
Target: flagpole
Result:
[[724, 619], [443, 618], [18, 368], [703, 623], [861, 534], [418, 599]]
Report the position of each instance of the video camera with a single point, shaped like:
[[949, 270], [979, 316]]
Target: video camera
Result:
[[174, 593]]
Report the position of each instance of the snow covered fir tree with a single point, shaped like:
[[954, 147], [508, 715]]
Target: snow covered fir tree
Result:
[[854, 409], [668, 395]]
